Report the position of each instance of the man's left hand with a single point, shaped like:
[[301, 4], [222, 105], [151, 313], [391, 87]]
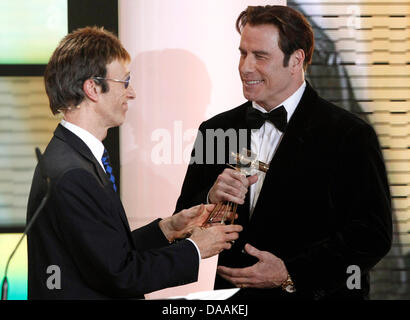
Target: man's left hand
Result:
[[186, 220], [268, 272], [181, 224]]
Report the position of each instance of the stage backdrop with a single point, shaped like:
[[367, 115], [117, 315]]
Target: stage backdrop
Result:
[[184, 70]]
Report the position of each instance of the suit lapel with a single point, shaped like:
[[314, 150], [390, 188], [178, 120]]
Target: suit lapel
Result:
[[238, 123], [77, 144], [291, 145]]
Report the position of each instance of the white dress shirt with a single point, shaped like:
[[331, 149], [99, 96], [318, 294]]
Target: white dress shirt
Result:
[[265, 141], [95, 145]]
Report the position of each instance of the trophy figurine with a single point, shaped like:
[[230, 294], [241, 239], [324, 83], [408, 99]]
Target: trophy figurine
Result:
[[247, 164]]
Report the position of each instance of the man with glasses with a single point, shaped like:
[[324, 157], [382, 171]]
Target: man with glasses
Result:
[[83, 230]]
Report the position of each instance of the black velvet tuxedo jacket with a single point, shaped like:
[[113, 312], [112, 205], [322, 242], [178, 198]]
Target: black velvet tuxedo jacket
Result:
[[324, 205], [84, 231]]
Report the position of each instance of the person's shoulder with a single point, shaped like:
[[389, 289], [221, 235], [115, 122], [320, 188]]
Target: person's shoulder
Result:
[[226, 118], [341, 119], [60, 158]]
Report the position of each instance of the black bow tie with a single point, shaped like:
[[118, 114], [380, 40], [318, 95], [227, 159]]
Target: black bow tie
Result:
[[255, 118]]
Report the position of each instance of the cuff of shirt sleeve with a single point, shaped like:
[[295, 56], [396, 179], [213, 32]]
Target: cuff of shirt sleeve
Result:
[[197, 249], [207, 198]]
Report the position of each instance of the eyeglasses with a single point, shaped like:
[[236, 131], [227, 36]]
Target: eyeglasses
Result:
[[126, 82]]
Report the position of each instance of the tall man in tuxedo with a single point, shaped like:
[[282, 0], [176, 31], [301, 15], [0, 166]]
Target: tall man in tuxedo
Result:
[[323, 208], [83, 230]]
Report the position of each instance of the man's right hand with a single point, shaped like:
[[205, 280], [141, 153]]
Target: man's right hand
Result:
[[215, 239], [232, 186]]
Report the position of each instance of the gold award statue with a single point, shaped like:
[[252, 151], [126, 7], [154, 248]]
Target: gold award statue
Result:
[[247, 164]]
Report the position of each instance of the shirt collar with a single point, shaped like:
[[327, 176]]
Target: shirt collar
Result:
[[95, 145], [290, 103]]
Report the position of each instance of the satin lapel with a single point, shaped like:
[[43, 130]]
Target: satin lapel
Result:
[[239, 123], [79, 145], [291, 145]]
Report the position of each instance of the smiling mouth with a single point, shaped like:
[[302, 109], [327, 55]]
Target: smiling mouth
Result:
[[252, 82]]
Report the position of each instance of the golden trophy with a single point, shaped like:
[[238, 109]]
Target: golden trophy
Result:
[[247, 164]]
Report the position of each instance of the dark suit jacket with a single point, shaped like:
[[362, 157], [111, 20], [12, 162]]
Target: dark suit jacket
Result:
[[84, 231], [324, 205]]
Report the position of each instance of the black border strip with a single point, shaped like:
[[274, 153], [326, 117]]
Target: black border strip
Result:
[[12, 229], [18, 70]]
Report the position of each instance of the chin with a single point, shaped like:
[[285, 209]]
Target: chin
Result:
[[117, 123], [120, 123], [247, 96], [251, 95]]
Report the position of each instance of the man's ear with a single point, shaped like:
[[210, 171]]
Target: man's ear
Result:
[[296, 60], [91, 90]]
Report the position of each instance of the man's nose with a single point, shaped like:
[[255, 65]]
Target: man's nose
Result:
[[246, 64], [131, 92]]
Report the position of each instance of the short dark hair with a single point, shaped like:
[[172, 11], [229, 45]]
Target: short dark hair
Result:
[[295, 32], [81, 55]]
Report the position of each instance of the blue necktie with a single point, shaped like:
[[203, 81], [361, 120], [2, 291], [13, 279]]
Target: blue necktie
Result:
[[108, 169]]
